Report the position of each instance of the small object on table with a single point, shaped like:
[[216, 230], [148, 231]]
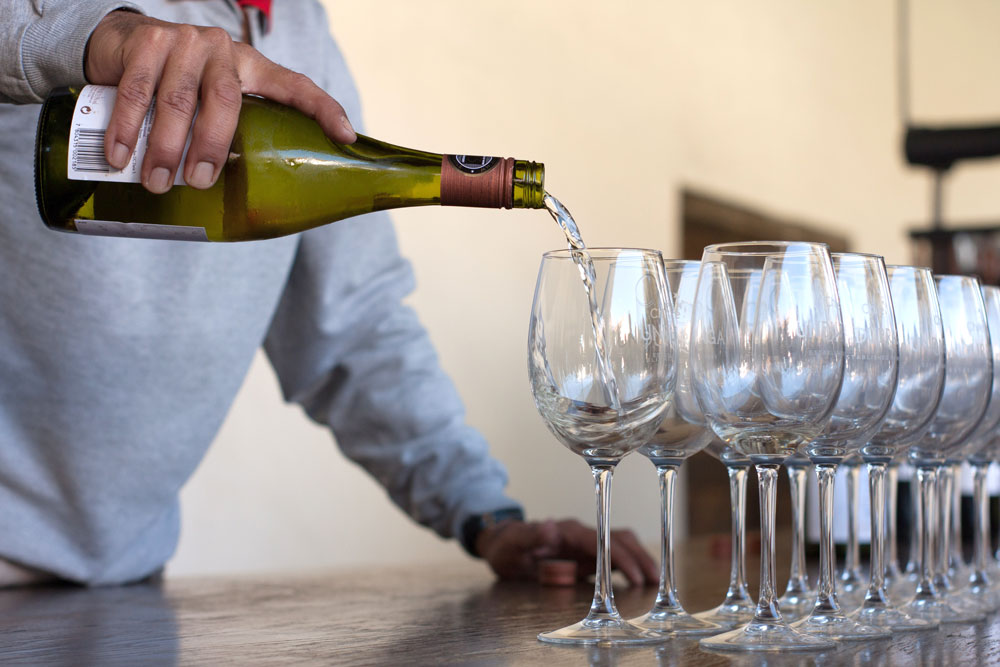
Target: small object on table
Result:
[[555, 572]]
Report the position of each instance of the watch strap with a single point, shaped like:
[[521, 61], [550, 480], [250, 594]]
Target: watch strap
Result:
[[477, 523]]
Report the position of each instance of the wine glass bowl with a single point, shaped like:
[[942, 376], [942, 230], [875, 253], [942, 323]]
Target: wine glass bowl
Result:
[[968, 370]]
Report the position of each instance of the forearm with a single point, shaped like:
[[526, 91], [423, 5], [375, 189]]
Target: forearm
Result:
[[42, 45], [358, 360]]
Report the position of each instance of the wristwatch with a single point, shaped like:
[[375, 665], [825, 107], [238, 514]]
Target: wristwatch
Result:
[[477, 523]]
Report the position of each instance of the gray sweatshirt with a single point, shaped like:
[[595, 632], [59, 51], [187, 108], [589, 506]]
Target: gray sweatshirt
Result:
[[119, 358]]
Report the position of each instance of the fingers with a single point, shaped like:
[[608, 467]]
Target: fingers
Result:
[[176, 103], [642, 568], [547, 540], [513, 549], [218, 115], [508, 546], [198, 76], [262, 77], [627, 554], [135, 94]]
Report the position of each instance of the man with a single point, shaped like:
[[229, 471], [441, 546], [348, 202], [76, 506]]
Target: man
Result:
[[119, 358]]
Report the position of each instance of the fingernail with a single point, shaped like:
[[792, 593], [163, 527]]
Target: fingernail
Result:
[[159, 180], [347, 125], [119, 155], [201, 177]]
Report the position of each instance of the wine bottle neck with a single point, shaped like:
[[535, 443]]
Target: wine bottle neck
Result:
[[529, 185], [488, 182]]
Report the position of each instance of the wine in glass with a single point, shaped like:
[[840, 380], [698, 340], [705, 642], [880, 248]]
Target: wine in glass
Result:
[[622, 324]]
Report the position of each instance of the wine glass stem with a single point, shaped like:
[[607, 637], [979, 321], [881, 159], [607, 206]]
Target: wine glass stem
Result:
[[890, 533], [767, 606], [982, 533], [876, 595], [853, 556], [943, 535], [926, 523], [737, 572], [955, 558], [798, 582], [913, 564], [603, 605], [666, 597], [825, 600]]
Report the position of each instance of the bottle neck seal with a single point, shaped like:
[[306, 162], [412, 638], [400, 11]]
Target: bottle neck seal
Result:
[[489, 182]]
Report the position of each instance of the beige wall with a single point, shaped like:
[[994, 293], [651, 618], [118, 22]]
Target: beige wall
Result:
[[784, 105]]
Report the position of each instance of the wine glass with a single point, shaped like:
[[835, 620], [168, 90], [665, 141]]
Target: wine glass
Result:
[[871, 351], [979, 591], [799, 596], [767, 361], [737, 608], [967, 385], [681, 434], [601, 362], [921, 373]]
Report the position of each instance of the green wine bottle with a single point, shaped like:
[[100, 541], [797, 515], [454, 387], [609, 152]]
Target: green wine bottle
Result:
[[283, 176]]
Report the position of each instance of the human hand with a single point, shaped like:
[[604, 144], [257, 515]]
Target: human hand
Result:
[[185, 65], [514, 548]]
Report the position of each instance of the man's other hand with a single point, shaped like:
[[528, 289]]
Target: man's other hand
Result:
[[514, 549]]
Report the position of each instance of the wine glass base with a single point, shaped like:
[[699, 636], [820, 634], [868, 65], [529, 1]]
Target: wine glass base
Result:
[[851, 595], [676, 624], [939, 611], [977, 599], [901, 590], [959, 576], [839, 627], [729, 616], [601, 632], [756, 636], [892, 619], [794, 606]]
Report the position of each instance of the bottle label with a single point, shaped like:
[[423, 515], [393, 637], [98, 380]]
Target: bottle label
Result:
[[473, 164], [86, 140], [140, 230]]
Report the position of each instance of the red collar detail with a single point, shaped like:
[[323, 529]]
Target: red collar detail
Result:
[[263, 5]]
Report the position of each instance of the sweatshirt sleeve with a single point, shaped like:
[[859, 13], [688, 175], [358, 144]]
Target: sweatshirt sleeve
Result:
[[357, 359], [346, 347], [42, 44]]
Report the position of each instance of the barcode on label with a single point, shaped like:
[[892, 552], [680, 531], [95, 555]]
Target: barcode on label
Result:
[[88, 151]]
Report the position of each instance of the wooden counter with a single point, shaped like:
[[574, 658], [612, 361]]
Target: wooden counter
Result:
[[420, 615]]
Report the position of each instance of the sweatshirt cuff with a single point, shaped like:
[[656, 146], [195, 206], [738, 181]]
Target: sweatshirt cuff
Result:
[[53, 46]]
